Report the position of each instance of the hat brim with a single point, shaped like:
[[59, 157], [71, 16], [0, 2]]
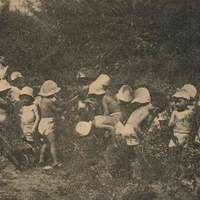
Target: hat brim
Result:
[[181, 97], [97, 93], [140, 100], [26, 95], [5, 89], [49, 93], [81, 132], [121, 98]]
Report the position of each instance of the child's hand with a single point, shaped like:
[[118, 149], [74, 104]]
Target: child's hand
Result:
[[33, 130], [63, 118]]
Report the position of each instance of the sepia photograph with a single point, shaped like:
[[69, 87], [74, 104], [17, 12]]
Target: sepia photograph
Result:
[[99, 99]]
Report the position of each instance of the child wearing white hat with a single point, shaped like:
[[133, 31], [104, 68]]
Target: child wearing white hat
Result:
[[135, 127], [108, 123], [84, 77], [111, 103], [182, 119], [46, 128], [29, 115], [17, 82], [4, 102]]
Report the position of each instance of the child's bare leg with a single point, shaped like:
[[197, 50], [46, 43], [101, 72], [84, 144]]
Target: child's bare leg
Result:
[[108, 123], [52, 142], [109, 128], [42, 152]]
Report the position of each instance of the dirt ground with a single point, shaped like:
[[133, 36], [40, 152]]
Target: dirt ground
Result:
[[83, 175]]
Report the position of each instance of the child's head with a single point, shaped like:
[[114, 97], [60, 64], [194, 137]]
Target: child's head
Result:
[[181, 98], [104, 80], [125, 94], [141, 96], [192, 91], [49, 89], [17, 79], [96, 88], [4, 88], [26, 96]]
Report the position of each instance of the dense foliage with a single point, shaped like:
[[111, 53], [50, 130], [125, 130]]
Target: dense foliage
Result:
[[132, 35]]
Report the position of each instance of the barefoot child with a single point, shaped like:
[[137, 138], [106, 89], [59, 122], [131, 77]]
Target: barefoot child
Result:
[[48, 109], [29, 115]]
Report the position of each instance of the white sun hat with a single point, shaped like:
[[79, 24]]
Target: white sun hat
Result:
[[96, 88], [103, 79], [4, 85], [27, 91], [182, 93], [191, 89], [125, 93], [141, 95], [83, 128], [15, 75], [49, 88]]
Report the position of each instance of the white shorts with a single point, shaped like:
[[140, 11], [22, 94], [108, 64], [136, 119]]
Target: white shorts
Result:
[[46, 126]]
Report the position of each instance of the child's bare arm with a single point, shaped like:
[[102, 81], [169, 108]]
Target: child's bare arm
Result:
[[105, 105], [37, 118], [138, 121], [172, 120]]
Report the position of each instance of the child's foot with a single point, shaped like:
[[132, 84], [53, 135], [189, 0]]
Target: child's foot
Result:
[[47, 168]]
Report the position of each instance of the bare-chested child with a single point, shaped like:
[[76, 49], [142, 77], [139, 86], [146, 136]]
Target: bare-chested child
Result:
[[111, 103], [112, 111], [137, 123], [4, 103], [29, 115], [49, 109]]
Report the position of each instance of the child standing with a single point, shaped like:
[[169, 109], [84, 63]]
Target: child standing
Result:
[[183, 123], [29, 115], [48, 109], [182, 120], [5, 104]]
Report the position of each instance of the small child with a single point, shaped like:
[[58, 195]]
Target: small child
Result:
[[182, 120], [85, 77], [17, 82], [48, 109], [183, 125], [137, 123], [111, 103], [29, 115], [5, 105]]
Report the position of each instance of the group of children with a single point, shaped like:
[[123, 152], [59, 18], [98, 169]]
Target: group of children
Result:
[[101, 108], [149, 113], [32, 114]]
